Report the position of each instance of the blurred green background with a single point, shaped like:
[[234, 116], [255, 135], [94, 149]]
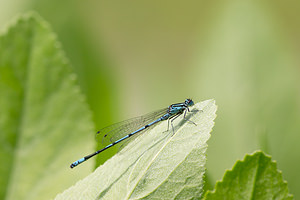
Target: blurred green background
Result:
[[133, 57]]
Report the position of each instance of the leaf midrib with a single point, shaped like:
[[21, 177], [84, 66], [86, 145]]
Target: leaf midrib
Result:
[[255, 178], [22, 113], [153, 159]]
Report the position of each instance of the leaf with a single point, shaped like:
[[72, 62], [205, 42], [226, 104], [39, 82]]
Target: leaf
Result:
[[155, 165], [256, 177], [255, 61], [43, 115]]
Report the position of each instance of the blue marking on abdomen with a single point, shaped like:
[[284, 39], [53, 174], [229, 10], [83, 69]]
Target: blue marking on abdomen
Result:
[[81, 160]]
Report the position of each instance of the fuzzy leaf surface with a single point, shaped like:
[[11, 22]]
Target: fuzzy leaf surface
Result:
[[156, 165]]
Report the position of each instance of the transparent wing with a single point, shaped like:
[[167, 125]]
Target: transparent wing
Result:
[[117, 131]]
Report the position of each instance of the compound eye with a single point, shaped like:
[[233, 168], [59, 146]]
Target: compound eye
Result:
[[189, 102]]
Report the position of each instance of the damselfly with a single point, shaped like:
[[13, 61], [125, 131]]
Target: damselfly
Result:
[[119, 132]]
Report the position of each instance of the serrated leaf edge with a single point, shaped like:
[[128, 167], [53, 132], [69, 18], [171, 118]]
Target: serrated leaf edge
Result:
[[273, 162]]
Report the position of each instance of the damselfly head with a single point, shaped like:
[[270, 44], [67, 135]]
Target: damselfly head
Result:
[[189, 102]]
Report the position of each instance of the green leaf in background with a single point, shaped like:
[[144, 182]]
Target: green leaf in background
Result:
[[44, 120], [256, 177], [155, 165]]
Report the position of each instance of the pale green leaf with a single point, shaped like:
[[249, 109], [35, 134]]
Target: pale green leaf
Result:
[[156, 165], [256, 177], [43, 115]]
